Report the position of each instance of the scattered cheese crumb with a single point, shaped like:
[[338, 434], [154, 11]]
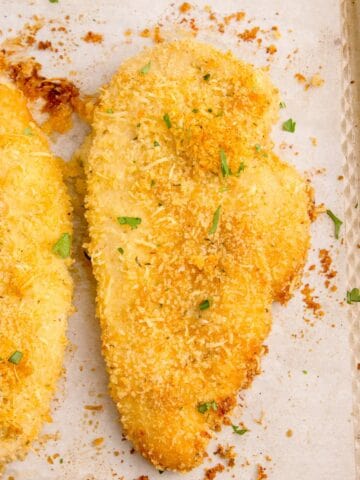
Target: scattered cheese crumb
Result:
[[92, 37], [271, 49], [300, 78], [97, 441], [316, 81], [249, 35], [210, 473], [261, 473], [185, 7]]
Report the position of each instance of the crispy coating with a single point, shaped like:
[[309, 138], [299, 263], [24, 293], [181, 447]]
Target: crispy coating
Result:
[[183, 144], [35, 285]]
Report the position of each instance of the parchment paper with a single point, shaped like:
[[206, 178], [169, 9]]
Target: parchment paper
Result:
[[299, 409]]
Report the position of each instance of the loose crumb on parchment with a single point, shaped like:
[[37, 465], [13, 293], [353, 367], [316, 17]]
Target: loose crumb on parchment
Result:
[[326, 262], [97, 442], [227, 453], [210, 473], [249, 35], [92, 37], [310, 302], [184, 7], [314, 81], [261, 473]]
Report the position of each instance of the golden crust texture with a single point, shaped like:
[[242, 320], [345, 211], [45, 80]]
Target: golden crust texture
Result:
[[35, 285], [218, 228]]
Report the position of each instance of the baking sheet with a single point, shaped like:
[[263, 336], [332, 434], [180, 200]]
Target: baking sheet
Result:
[[299, 410]]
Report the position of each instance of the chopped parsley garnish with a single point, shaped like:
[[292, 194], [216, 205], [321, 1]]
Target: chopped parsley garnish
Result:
[[15, 358], [205, 407], [156, 144], [215, 221], [209, 110], [282, 105], [224, 165], [305, 372], [152, 183], [238, 430], [109, 110], [337, 222], [145, 69], [205, 304], [195, 110], [289, 125], [257, 147], [241, 168], [28, 131], [120, 250], [54, 1], [133, 222], [206, 77], [167, 120], [63, 246], [353, 295]]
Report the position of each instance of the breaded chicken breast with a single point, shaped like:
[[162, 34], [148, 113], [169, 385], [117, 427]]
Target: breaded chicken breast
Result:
[[35, 285], [190, 215]]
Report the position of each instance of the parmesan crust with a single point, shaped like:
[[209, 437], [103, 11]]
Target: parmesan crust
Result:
[[160, 135], [35, 285]]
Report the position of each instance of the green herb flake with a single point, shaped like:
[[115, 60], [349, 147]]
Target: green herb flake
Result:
[[167, 120], [206, 77], [337, 222], [54, 1], [240, 169], [205, 407], [15, 358], [224, 165], [289, 126], [156, 144], [305, 372], [61, 460], [120, 250], [215, 221], [353, 295], [205, 304], [257, 147], [195, 110], [28, 131], [145, 69], [109, 110], [238, 430], [63, 246], [152, 183], [133, 222], [282, 105]]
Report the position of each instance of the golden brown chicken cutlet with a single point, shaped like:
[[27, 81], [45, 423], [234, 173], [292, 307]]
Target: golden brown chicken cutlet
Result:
[[35, 285], [190, 215]]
